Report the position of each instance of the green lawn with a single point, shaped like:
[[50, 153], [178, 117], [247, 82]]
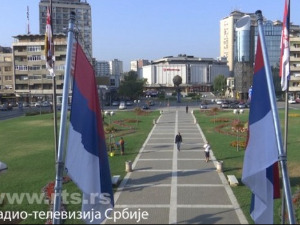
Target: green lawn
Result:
[[27, 147], [233, 159]]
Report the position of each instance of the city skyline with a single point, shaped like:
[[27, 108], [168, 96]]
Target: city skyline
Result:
[[135, 29]]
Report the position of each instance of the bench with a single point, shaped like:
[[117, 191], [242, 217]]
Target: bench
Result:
[[232, 180], [115, 179]]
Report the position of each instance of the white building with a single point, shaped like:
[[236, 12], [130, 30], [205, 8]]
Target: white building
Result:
[[116, 67], [196, 73]]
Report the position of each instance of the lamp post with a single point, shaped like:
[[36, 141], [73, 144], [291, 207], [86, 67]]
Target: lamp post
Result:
[[238, 112], [137, 105], [109, 114]]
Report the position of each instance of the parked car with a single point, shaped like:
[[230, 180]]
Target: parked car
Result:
[[224, 105], [115, 103], [203, 106], [292, 101], [145, 107], [129, 103], [25, 104], [219, 102], [38, 104], [242, 105], [6, 107], [151, 103], [46, 104], [122, 105]]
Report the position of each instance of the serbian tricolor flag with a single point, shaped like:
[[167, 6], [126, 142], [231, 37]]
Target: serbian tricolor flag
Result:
[[260, 169], [87, 161], [284, 71]]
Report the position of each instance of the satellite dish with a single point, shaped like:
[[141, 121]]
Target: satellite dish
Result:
[[243, 23]]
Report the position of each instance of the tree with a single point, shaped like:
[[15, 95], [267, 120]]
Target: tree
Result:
[[220, 83], [131, 86]]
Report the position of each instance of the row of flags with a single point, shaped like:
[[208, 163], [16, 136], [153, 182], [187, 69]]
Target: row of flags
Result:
[[87, 161]]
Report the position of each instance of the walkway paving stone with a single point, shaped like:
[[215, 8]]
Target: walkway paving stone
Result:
[[176, 187]]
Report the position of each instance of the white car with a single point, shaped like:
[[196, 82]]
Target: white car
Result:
[[292, 101], [122, 105]]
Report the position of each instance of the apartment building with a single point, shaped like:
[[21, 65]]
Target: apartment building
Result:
[[6, 75], [32, 80]]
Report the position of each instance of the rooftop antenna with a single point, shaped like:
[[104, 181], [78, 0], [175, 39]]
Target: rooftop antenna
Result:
[[28, 26]]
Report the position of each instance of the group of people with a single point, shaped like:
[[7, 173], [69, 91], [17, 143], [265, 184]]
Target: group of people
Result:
[[178, 141]]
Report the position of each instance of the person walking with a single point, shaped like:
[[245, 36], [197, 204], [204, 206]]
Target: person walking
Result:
[[206, 151], [187, 109], [178, 140], [122, 143]]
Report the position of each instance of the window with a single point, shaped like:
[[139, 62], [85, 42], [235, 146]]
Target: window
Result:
[[34, 58], [112, 82], [34, 67], [7, 68], [8, 78], [33, 48], [21, 67]]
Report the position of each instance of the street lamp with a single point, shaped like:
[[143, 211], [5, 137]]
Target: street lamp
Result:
[[137, 102], [238, 112], [110, 114], [136, 112]]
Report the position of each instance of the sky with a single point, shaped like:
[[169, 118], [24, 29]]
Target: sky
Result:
[[147, 29]]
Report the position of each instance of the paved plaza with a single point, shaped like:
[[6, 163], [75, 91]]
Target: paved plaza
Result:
[[177, 187]]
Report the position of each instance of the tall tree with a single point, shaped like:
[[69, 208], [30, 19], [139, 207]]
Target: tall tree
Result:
[[220, 83], [131, 86]]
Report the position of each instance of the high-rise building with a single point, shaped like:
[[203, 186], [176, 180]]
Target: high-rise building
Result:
[[61, 10], [101, 68], [227, 35], [116, 67]]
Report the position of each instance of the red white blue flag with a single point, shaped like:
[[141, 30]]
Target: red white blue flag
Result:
[[87, 158], [285, 48], [260, 169]]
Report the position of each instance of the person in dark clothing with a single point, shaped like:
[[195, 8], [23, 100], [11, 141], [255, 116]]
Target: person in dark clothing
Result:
[[122, 143], [187, 109], [178, 140]]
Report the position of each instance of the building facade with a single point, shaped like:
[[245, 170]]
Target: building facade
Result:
[[137, 65], [101, 68], [32, 79], [6, 75], [197, 74], [294, 84], [61, 10]]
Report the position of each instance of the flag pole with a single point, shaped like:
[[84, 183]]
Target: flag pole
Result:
[[286, 111], [54, 88], [63, 121], [282, 156]]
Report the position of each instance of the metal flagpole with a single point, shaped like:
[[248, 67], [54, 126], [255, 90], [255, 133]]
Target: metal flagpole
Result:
[[54, 87], [282, 156], [63, 125], [286, 122]]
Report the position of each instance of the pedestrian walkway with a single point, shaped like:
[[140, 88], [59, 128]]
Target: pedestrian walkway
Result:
[[173, 187]]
